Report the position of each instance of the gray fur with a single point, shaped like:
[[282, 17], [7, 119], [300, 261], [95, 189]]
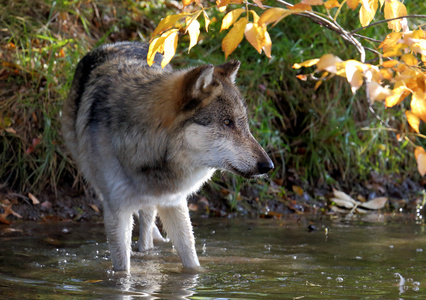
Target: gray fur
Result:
[[145, 138]]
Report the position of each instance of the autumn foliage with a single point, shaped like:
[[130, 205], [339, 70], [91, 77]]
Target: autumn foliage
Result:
[[397, 73]]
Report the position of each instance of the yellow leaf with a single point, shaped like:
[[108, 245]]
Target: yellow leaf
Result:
[[259, 38], [341, 68], [275, 14], [390, 41], [300, 7], [189, 20], [33, 199], [255, 35], [307, 63], [302, 77], [331, 4], [354, 76], [419, 150], [255, 16], [267, 45], [194, 31], [230, 18], [421, 161], [259, 3], [95, 208], [353, 4], [376, 92], [413, 120], [187, 2], [206, 20], [170, 45], [394, 9], [409, 59], [234, 37], [392, 52], [312, 2], [222, 3], [419, 34], [328, 62], [367, 11], [418, 46], [398, 95], [390, 63], [168, 22], [297, 190], [386, 74], [155, 46], [418, 105], [319, 82]]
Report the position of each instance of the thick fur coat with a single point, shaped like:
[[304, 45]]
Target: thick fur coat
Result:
[[145, 138]]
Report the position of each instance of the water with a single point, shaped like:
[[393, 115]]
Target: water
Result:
[[246, 259]]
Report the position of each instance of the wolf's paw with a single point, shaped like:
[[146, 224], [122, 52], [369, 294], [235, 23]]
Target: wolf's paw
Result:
[[195, 270]]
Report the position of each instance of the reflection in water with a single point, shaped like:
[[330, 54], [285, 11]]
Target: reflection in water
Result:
[[246, 259], [154, 284]]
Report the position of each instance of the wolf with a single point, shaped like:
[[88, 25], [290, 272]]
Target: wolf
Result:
[[146, 137]]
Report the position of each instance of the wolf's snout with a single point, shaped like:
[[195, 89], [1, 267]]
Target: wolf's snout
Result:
[[264, 167]]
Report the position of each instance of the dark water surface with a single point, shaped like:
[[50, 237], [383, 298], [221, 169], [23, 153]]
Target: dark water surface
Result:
[[246, 259]]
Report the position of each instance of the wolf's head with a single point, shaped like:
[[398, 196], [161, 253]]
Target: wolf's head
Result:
[[218, 134]]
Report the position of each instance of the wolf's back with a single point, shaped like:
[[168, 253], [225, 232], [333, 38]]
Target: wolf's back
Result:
[[82, 76]]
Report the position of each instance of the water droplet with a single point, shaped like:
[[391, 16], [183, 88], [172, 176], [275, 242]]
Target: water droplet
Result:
[[416, 289]]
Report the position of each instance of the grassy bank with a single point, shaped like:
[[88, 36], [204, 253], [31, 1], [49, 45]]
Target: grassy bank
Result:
[[318, 138]]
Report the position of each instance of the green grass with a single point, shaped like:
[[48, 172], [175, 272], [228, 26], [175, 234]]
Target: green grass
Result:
[[318, 134]]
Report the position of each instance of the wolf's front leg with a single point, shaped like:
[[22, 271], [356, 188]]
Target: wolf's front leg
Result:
[[178, 226], [118, 226]]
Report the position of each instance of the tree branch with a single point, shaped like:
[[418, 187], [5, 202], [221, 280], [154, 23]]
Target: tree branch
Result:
[[366, 38], [332, 25], [388, 20]]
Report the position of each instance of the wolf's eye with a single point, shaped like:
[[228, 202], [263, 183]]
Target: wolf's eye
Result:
[[227, 122]]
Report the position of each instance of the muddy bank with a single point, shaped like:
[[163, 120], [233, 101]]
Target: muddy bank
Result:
[[404, 196]]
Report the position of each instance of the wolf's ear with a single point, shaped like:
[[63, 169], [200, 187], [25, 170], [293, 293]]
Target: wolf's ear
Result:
[[203, 77], [230, 69], [198, 84]]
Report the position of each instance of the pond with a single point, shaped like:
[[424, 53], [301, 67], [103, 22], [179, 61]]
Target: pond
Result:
[[292, 258]]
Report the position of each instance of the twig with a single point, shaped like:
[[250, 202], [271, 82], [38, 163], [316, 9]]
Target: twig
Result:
[[388, 20], [378, 117], [366, 38], [332, 25], [372, 50]]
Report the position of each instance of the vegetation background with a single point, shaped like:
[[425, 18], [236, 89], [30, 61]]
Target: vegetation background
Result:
[[319, 139]]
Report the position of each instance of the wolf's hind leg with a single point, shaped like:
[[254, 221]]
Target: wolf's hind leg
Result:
[[148, 231], [178, 226], [156, 235], [118, 226], [146, 226]]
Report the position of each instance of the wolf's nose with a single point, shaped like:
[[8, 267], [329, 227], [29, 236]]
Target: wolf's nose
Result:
[[265, 166]]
